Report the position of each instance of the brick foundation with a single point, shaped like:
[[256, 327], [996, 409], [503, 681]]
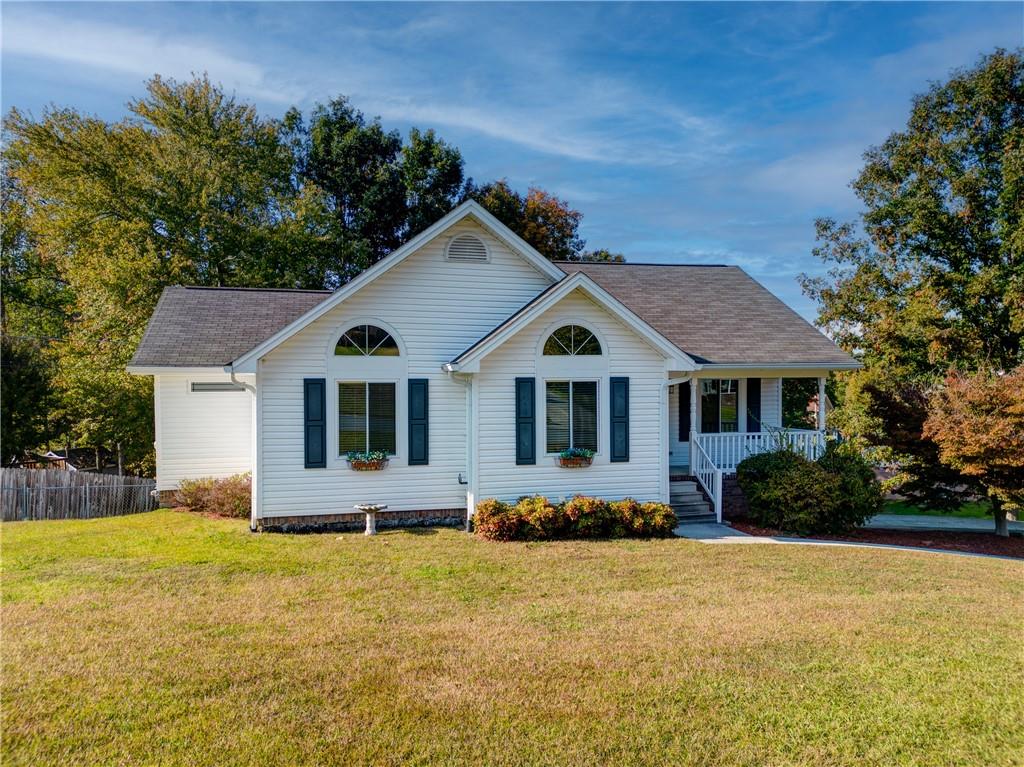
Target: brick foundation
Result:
[[734, 502], [166, 499], [349, 521]]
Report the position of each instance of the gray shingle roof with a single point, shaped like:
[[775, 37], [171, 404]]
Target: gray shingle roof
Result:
[[716, 314], [203, 327]]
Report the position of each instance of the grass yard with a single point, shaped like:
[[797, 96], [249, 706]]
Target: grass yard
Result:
[[167, 638], [971, 509]]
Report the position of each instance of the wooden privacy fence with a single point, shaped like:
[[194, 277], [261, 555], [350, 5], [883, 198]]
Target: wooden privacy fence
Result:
[[55, 494]]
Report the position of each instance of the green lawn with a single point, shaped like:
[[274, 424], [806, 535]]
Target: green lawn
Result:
[[974, 509], [167, 638]]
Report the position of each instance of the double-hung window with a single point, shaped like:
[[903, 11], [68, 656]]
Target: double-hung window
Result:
[[571, 408], [719, 405], [366, 417]]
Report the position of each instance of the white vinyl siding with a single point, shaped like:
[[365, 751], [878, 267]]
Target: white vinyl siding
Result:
[[437, 308], [625, 354], [201, 433]]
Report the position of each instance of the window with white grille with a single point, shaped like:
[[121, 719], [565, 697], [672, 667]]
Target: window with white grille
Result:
[[466, 247]]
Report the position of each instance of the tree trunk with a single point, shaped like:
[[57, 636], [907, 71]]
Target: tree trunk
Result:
[[98, 467], [120, 461], [1002, 529]]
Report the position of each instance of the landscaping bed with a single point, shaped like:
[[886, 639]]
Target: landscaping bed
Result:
[[946, 540]]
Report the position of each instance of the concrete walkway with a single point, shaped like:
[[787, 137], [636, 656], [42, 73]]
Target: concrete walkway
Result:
[[923, 522], [715, 533]]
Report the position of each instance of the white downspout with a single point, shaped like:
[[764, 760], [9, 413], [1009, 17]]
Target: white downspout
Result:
[[254, 450], [470, 479]]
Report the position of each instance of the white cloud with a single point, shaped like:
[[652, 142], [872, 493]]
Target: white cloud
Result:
[[816, 177], [131, 51]]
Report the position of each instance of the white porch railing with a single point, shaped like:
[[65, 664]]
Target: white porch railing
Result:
[[726, 450], [709, 476]]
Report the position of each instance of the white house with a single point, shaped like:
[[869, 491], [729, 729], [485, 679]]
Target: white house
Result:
[[473, 362]]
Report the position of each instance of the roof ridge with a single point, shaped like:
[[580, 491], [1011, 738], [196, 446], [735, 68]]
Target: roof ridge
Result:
[[257, 290], [643, 263]]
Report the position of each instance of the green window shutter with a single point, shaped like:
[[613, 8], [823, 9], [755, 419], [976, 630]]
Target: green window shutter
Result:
[[526, 422], [618, 405], [684, 411], [418, 427], [753, 404], [314, 398]]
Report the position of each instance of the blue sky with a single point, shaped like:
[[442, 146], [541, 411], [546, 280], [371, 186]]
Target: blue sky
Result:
[[691, 133]]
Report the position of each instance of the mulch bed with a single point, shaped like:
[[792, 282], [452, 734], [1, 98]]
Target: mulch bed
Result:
[[948, 540]]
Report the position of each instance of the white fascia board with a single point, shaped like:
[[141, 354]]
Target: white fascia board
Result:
[[246, 363], [807, 368], [167, 370], [676, 358]]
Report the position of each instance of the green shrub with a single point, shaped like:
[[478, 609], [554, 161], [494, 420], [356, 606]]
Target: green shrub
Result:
[[227, 497], [535, 518], [785, 491], [860, 493]]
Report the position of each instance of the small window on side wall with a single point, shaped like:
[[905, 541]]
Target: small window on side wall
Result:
[[572, 340], [366, 341], [216, 386]]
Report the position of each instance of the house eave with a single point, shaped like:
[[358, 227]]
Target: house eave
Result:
[[156, 370]]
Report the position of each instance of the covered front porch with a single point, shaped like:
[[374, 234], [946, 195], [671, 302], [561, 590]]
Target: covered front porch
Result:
[[716, 422]]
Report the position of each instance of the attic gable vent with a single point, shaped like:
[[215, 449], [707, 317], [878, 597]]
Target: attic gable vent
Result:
[[466, 247]]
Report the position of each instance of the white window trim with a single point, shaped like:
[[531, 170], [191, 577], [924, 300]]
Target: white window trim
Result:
[[600, 402], [338, 457]]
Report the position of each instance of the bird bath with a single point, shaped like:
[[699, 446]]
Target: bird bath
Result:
[[370, 510]]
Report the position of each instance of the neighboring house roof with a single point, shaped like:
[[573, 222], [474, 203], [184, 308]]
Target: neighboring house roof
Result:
[[550, 297], [718, 315], [210, 327]]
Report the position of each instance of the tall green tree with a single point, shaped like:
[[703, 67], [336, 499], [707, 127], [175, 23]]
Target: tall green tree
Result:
[[933, 278], [191, 188], [378, 190]]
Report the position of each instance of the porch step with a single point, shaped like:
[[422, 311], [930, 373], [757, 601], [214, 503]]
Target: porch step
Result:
[[696, 519], [685, 496], [682, 486]]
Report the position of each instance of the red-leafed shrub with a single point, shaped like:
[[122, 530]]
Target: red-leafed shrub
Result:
[[543, 520], [643, 520], [590, 517], [535, 518], [497, 521], [227, 497], [194, 493]]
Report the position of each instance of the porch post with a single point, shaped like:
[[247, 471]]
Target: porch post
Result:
[[821, 403], [694, 382]]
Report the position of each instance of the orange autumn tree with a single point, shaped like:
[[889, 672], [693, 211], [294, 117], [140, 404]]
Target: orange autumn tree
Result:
[[977, 420]]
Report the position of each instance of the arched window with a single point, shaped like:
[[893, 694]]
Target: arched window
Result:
[[572, 340], [366, 341]]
